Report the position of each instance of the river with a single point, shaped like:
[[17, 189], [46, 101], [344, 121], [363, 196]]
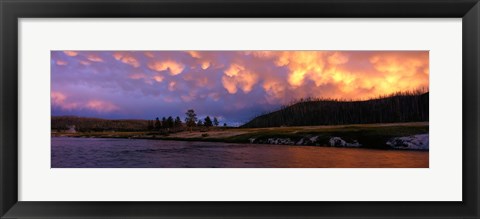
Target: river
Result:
[[70, 152]]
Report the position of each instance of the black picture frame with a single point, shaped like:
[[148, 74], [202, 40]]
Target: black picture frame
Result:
[[12, 10]]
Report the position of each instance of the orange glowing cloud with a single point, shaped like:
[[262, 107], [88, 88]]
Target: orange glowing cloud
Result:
[[59, 99], [237, 76], [70, 53], [229, 84], [60, 62], [101, 106], [301, 65], [194, 54], [399, 72], [369, 74], [205, 65], [337, 58], [158, 78], [127, 59], [275, 90], [149, 54], [174, 67]]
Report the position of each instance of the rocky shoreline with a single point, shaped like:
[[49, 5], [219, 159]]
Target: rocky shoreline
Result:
[[414, 142]]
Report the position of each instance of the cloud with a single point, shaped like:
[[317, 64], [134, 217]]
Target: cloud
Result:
[[60, 100], [94, 58], [302, 64], [352, 75], [205, 65], [158, 78], [174, 67], [229, 84], [149, 54], [262, 54], [101, 106], [189, 96], [136, 76], [237, 76], [405, 71], [85, 62], [126, 58], [275, 90], [234, 70], [70, 53], [337, 58], [171, 85], [194, 54], [215, 96], [57, 98], [60, 62]]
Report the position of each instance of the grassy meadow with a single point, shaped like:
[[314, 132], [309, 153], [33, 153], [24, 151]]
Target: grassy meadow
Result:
[[369, 135]]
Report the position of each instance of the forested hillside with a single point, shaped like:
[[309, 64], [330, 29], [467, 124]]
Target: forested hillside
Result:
[[399, 107], [61, 123]]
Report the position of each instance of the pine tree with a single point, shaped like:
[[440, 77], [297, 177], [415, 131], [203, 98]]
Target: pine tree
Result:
[[178, 122], [164, 123], [158, 125], [191, 118], [170, 122], [208, 122]]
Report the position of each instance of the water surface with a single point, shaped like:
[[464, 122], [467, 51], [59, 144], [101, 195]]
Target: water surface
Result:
[[126, 153]]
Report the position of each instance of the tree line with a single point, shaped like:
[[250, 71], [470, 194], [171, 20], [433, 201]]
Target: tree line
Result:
[[166, 124], [410, 106], [191, 121]]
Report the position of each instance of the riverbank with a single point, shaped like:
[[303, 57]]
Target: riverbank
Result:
[[410, 136]]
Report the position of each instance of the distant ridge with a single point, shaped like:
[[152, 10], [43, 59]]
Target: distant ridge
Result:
[[399, 107], [61, 123]]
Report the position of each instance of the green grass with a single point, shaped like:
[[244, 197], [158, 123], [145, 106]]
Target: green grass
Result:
[[372, 137]]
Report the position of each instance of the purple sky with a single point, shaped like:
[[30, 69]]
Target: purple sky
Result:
[[231, 85]]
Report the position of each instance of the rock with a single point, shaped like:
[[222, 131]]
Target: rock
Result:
[[339, 142], [413, 142], [284, 141]]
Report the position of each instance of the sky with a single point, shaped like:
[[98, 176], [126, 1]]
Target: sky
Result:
[[233, 86]]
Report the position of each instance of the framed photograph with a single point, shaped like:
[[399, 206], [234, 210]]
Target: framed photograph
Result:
[[255, 109]]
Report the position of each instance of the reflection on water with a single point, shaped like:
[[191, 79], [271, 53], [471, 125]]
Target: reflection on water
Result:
[[122, 153]]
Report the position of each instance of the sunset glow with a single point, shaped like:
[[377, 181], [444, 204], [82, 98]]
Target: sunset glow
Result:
[[231, 85]]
